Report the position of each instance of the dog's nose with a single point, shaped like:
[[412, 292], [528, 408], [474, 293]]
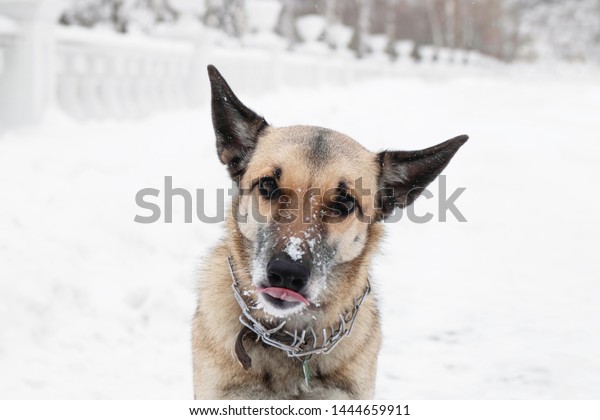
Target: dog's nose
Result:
[[284, 272]]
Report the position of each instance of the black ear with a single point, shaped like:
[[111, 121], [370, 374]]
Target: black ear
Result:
[[404, 175], [236, 126]]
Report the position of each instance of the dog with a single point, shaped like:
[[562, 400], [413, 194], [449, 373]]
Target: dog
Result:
[[284, 309]]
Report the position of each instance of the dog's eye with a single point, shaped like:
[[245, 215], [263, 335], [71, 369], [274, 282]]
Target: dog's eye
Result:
[[342, 205], [267, 187]]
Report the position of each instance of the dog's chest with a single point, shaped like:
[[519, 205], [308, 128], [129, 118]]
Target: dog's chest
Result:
[[284, 377]]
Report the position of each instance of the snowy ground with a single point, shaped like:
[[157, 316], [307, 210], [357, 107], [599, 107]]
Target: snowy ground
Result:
[[93, 305]]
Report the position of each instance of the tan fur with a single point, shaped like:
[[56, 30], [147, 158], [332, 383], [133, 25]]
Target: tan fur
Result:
[[302, 231], [349, 370]]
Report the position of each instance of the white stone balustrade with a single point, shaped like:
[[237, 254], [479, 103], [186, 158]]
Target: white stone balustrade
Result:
[[93, 74], [116, 76]]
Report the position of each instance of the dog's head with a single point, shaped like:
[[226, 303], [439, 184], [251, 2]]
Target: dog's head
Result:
[[309, 202]]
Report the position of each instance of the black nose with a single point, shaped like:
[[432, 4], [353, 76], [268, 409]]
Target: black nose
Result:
[[284, 272]]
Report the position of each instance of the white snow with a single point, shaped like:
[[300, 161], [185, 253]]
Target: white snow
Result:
[[8, 26], [294, 248], [94, 305]]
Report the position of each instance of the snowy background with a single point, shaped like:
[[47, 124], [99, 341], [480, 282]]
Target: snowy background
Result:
[[94, 305]]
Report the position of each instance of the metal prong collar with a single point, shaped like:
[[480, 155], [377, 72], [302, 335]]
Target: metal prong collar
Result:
[[298, 343]]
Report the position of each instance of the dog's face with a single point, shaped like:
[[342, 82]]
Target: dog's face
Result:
[[305, 215], [308, 198]]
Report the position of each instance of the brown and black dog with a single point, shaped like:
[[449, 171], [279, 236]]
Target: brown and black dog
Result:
[[284, 310]]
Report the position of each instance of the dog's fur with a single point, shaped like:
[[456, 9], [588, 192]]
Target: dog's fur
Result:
[[337, 249]]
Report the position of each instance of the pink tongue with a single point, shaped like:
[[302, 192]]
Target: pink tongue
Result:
[[284, 294]]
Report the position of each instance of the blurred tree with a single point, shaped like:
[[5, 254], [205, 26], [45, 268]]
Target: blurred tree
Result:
[[450, 21], [228, 15], [331, 17], [435, 22], [86, 12], [568, 29], [119, 14], [362, 26], [507, 29], [286, 24], [467, 32], [391, 23]]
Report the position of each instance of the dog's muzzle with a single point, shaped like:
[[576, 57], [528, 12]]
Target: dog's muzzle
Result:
[[287, 281]]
